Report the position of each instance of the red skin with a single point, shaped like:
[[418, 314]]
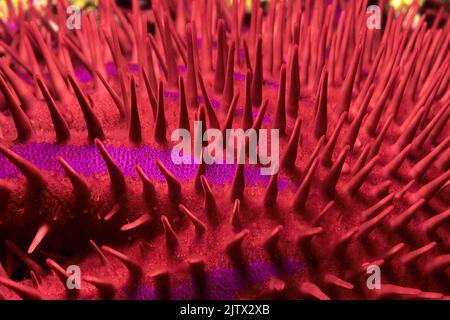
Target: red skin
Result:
[[146, 245]]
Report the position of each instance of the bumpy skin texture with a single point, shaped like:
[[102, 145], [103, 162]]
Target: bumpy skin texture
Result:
[[365, 158]]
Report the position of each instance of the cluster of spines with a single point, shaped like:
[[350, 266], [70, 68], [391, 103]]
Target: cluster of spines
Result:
[[417, 61]]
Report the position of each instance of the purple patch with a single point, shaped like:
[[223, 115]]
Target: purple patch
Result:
[[224, 283], [86, 160]]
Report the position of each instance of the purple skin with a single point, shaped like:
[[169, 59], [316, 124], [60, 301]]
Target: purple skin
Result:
[[43, 155], [223, 283]]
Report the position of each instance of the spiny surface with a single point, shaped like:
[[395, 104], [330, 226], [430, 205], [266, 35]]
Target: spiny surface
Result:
[[87, 179]]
